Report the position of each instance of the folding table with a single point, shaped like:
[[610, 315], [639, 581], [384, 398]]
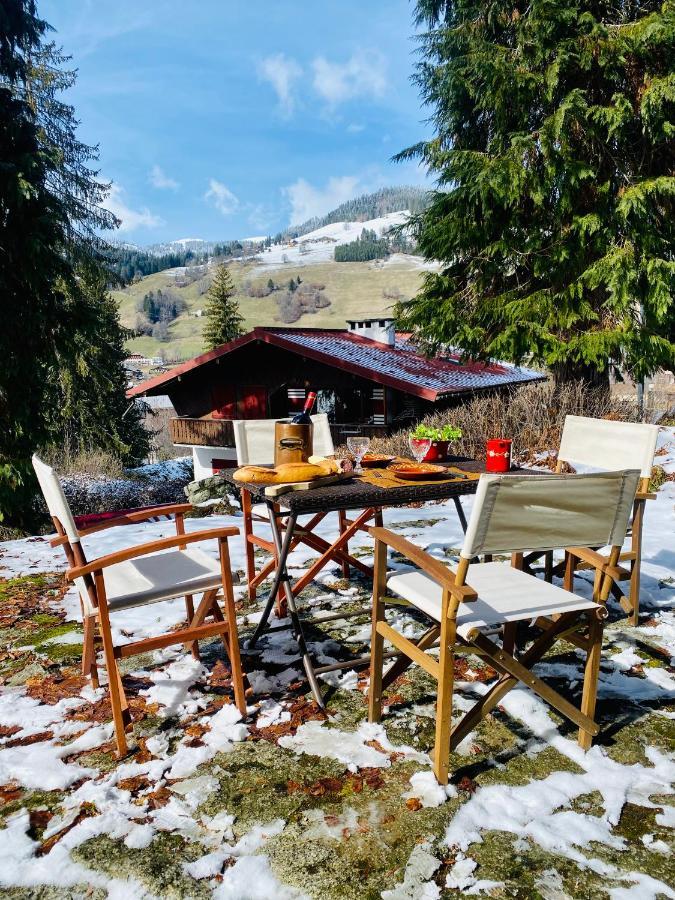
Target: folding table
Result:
[[369, 497]]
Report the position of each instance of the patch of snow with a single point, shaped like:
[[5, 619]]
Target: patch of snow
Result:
[[425, 788], [354, 749], [416, 885]]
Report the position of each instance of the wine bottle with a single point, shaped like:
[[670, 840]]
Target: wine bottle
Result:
[[303, 418]]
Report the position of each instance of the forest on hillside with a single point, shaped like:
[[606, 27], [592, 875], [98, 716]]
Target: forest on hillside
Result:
[[361, 209], [133, 264]]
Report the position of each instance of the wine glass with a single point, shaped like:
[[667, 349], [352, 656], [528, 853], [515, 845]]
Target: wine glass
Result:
[[359, 447], [419, 447]]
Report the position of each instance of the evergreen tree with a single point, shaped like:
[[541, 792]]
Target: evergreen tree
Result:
[[50, 218], [93, 411], [223, 320], [553, 151]]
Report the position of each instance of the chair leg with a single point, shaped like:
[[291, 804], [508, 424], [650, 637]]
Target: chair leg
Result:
[[591, 672], [636, 547], [89, 650], [441, 759], [568, 578], [118, 700], [248, 546], [190, 613], [342, 520], [232, 633], [377, 641], [548, 566]]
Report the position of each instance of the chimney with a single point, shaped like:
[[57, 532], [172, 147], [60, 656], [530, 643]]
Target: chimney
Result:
[[380, 330]]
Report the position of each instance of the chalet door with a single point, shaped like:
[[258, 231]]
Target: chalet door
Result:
[[252, 402], [224, 401]]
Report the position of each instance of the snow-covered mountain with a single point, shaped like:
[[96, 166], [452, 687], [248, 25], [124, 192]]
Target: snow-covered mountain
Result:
[[318, 246]]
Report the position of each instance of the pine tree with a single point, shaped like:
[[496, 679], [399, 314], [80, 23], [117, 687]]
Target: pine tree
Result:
[[50, 220], [553, 152], [93, 411], [223, 320]]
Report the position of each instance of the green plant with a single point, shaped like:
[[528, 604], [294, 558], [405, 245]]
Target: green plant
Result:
[[444, 433]]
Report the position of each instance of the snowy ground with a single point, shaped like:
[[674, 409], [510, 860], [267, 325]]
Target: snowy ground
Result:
[[293, 803]]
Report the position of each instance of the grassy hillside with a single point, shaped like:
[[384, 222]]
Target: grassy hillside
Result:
[[354, 289]]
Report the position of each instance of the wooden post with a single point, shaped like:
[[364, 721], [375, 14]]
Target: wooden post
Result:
[[636, 547], [189, 603], [342, 517], [591, 672], [441, 759], [248, 546], [231, 622], [377, 641], [117, 698]]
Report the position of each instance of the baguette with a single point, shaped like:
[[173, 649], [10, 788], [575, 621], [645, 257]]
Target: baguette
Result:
[[286, 473]]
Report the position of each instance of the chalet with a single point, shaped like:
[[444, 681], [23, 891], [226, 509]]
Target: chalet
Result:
[[369, 379]]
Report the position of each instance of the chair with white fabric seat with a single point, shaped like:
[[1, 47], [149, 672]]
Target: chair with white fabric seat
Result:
[[254, 443], [469, 606], [147, 573], [604, 444]]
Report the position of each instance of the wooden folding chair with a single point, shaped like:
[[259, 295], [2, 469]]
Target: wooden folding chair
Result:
[[477, 602], [254, 442], [604, 444], [141, 575]]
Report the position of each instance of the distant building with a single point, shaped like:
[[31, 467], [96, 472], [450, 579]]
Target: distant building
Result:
[[134, 360], [369, 380]]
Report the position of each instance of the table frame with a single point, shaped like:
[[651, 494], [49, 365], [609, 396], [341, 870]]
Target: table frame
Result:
[[287, 534]]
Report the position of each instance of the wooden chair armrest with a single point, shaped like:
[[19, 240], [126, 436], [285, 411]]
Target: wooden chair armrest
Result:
[[133, 518], [433, 567], [645, 496], [166, 543], [595, 559]]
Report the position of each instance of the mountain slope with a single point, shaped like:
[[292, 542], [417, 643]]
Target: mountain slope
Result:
[[367, 206]]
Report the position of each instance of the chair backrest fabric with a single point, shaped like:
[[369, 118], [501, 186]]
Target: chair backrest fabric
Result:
[[515, 513], [608, 445], [55, 498], [59, 509], [254, 440]]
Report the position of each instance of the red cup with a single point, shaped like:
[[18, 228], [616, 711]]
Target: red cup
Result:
[[498, 456]]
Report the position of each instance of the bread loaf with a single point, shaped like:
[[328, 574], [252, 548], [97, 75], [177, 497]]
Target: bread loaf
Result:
[[286, 473], [255, 475]]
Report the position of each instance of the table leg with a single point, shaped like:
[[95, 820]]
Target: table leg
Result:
[[298, 634], [280, 575], [460, 513]]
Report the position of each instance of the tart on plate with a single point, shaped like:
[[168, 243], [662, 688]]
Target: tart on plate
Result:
[[412, 471], [376, 460]]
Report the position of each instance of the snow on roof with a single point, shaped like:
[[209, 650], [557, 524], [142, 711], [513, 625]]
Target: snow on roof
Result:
[[416, 374], [400, 367]]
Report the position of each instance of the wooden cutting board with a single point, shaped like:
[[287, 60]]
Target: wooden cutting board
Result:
[[276, 490]]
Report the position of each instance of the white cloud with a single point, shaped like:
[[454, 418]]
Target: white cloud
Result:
[[308, 201], [130, 219], [363, 74], [160, 180], [355, 128], [220, 196], [281, 72]]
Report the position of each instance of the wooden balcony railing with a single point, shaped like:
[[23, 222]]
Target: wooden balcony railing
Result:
[[202, 432], [219, 432]]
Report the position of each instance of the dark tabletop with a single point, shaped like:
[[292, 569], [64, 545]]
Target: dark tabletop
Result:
[[358, 494]]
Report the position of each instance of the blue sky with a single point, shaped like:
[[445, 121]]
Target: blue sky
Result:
[[226, 118]]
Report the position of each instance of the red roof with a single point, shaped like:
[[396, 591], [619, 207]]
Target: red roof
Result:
[[399, 367]]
